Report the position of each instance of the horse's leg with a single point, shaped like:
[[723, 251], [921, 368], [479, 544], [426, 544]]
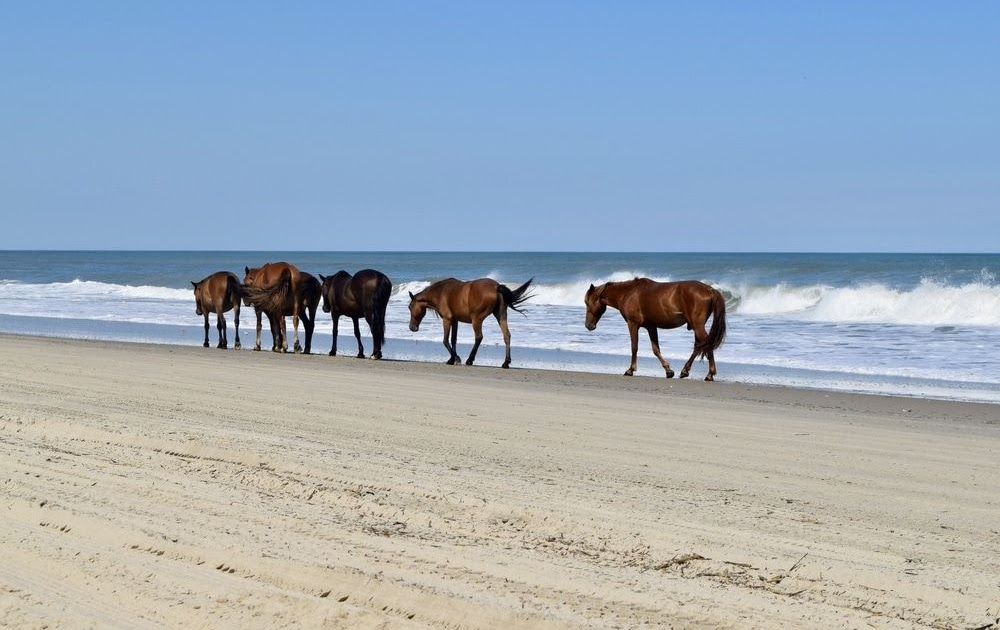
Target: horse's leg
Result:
[[357, 335], [236, 316], [256, 310], [700, 335], [309, 323], [336, 325], [454, 341], [376, 348], [506, 338], [654, 341], [633, 333], [711, 366], [297, 347], [450, 330], [284, 334], [477, 331], [206, 329], [220, 324]]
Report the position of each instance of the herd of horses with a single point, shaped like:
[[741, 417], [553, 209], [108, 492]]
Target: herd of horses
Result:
[[279, 290]]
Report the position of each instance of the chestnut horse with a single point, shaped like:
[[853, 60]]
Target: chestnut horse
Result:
[[644, 303], [365, 294], [218, 293], [280, 289], [468, 302]]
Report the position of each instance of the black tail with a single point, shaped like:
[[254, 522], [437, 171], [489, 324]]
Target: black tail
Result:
[[310, 294], [516, 297], [270, 299], [717, 334], [383, 290], [234, 291]]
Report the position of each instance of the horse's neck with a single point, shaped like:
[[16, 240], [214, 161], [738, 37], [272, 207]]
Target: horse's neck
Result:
[[614, 292]]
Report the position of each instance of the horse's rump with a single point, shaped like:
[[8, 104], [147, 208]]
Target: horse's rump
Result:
[[272, 299]]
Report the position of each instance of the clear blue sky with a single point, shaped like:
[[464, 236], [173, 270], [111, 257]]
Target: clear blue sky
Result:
[[629, 126]]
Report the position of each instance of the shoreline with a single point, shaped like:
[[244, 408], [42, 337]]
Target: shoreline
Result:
[[422, 351], [156, 485], [861, 402]]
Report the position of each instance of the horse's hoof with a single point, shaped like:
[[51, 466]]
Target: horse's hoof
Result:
[[221, 346], [684, 373], [450, 362], [670, 373], [505, 366], [376, 356], [629, 372], [237, 346], [205, 345], [468, 362], [332, 353], [710, 378], [361, 355]]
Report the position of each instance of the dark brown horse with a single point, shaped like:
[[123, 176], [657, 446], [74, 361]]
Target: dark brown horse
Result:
[[468, 302], [280, 289], [218, 293], [644, 303], [365, 294]]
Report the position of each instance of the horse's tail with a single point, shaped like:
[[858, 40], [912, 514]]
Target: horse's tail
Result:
[[516, 297], [717, 334], [383, 290], [310, 294], [234, 291], [272, 298]]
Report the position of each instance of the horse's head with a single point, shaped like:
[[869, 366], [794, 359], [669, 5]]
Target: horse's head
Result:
[[418, 309], [595, 305], [197, 298], [250, 275], [327, 282]]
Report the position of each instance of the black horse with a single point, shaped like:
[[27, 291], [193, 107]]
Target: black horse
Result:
[[365, 294]]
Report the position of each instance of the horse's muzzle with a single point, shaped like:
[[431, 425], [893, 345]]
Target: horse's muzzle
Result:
[[414, 327], [590, 325]]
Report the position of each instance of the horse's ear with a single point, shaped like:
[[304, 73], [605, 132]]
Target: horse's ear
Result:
[[246, 270], [590, 289], [322, 278], [412, 297], [194, 284]]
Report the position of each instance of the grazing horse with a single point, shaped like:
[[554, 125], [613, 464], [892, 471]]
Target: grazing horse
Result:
[[365, 294], [644, 303], [269, 289], [218, 293], [468, 302]]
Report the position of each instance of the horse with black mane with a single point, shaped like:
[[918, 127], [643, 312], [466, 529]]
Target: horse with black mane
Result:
[[279, 290], [365, 294], [218, 293], [644, 303], [468, 302]]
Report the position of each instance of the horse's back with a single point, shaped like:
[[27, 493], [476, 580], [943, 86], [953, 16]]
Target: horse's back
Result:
[[218, 289]]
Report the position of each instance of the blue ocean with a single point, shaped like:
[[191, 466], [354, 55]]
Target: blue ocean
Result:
[[923, 325]]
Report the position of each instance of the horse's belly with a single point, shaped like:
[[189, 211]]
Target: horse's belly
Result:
[[672, 321]]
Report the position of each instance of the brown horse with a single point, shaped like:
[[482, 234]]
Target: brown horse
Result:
[[644, 303], [468, 302], [280, 289], [365, 294], [218, 293]]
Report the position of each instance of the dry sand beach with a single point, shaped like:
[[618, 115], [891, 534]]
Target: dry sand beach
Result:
[[159, 486]]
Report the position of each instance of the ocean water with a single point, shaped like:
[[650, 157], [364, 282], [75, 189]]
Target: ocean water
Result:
[[924, 325]]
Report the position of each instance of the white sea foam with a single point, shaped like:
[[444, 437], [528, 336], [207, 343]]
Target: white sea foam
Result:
[[928, 304]]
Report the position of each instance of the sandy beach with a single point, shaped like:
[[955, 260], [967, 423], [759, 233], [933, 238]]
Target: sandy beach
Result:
[[161, 486]]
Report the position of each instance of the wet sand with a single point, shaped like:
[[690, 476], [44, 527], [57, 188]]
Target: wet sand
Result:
[[161, 486]]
